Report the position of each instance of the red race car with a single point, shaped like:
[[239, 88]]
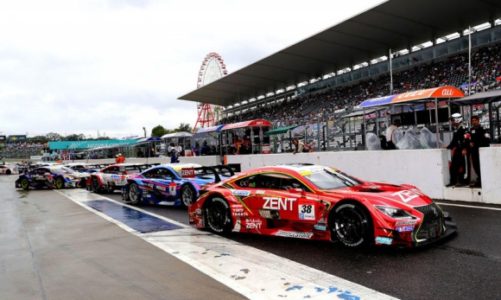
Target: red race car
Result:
[[320, 203]]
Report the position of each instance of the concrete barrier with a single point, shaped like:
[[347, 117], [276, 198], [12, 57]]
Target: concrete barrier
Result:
[[426, 169], [490, 168]]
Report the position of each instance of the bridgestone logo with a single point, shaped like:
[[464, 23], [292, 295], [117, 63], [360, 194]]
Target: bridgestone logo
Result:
[[294, 234]]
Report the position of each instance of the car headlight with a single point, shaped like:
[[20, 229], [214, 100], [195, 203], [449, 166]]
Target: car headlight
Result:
[[393, 212]]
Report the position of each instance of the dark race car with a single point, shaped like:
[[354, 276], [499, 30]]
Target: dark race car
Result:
[[172, 184], [320, 203], [53, 177]]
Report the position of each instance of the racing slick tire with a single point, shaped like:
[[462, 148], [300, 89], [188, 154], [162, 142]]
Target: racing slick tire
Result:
[[59, 183], [25, 184], [217, 215], [188, 195], [94, 185], [8, 172], [352, 225], [134, 194]]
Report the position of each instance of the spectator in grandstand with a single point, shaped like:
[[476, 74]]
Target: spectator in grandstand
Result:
[[478, 138], [120, 158], [298, 145], [390, 135], [459, 149]]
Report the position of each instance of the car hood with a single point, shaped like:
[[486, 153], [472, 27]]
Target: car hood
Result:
[[386, 194]]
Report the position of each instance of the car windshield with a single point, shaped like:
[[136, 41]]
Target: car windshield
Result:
[[328, 179]]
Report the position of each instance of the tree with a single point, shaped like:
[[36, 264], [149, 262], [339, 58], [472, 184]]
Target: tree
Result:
[[158, 131], [183, 127], [52, 136]]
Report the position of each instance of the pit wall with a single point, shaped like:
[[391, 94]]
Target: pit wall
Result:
[[426, 169]]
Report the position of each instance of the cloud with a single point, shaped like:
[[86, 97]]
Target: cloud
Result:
[[115, 66]]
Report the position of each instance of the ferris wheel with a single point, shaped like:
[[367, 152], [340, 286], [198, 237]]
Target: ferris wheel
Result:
[[212, 69]]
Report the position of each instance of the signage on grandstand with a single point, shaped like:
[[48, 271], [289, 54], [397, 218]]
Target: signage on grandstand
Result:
[[16, 138], [439, 92]]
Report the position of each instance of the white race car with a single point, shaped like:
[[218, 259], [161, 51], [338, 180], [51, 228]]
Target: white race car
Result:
[[114, 177]]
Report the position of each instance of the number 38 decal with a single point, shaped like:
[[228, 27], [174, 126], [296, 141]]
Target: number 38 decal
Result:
[[306, 212]]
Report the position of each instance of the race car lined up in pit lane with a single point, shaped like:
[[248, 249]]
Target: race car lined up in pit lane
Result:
[[172, 184], [85, 170], [53, 177], [320, 203], [6, 170], [114, 177]]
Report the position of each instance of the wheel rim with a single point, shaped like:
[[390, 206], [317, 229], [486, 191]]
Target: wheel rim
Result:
[[217, 217], [24, 184], [134, 193], [350, 227], [187, 196], [59, 183]]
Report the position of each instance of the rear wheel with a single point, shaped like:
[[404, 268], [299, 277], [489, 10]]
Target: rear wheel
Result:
[[352, 225], [8, 172], [25, 184], [188, 195], [134, 194], [217, 214]]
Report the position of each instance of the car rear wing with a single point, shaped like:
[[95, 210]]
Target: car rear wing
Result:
[[217, 171]]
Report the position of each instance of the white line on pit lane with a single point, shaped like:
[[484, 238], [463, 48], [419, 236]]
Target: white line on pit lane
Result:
[[254, 273], [469, 206]]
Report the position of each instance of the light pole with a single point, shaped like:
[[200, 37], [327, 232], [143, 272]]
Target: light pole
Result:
[[144, 129]]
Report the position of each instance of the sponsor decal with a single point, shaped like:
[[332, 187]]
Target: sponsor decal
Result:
[[253, 223], [320, 226], [382, 240], [294, 234], [403, 222], [306, 212], [278, 203], [259, 192], [406, 195], [239, 212], [240, 193], [188, 173], [161, 188], [405, 228]]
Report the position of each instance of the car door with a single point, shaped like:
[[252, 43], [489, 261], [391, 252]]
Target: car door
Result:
[[277, 196], [109, 174]]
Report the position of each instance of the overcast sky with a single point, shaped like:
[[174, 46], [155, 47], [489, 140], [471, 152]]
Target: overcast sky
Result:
[[115, 66]]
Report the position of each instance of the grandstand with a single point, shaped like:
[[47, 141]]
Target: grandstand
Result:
[[323, 78]]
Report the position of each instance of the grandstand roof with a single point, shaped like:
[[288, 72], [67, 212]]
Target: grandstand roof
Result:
[[395, 24]]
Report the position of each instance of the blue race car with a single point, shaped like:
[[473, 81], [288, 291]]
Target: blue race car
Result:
[[52, 177], [173, 184]]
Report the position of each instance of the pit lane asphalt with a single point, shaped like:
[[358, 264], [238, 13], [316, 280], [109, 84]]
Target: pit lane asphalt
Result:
[[467, 266], [52, 248]]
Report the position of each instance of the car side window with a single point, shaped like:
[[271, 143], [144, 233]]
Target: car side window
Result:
[[111, 170], [275, 181], [151, 174], [165, 174]]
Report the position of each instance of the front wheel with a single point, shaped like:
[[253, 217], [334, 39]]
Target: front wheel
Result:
[[188, 195], [134, 194], [94, 185], [25, 184], [352, 225], [217, 214]]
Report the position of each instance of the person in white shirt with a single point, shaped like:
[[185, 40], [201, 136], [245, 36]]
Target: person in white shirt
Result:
[[390, 134]]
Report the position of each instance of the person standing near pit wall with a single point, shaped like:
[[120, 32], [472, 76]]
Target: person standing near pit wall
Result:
[[459, 151], [390, 135], [478, 138]]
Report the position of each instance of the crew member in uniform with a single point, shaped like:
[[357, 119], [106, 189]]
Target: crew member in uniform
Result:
[[478, 138], [459, 151]]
